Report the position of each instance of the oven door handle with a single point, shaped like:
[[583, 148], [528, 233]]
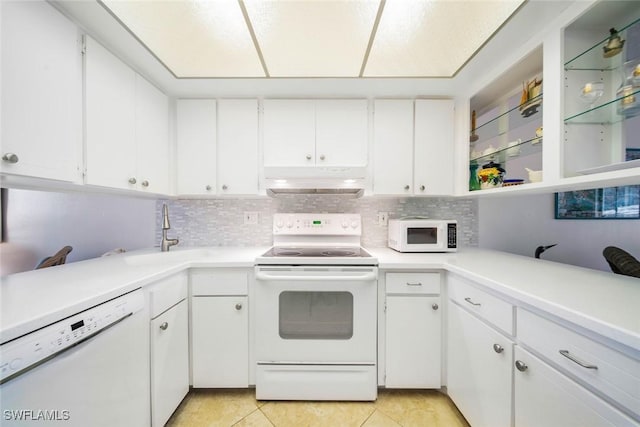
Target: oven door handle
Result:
[[365, 276]]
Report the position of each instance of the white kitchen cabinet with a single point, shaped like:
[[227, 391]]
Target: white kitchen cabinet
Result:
[[220, 340], [127, 125], [196, 146], [433, 154], [41, 92], [237, 146], [219, 328], [545, 397], [169, 354], [479, 369], [393, 146], [413, 330], [304, 132], [169, 362]]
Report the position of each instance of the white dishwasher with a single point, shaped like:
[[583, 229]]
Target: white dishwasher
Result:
[[90, 369]]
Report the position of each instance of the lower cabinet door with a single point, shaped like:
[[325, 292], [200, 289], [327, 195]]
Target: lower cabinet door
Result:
[[413, 347], [479, 369], [220, 341], [546, 398], [169, 362]]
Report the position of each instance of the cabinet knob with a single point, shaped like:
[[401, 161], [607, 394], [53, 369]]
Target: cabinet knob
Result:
[[145, 183], [406, 187], [164, 326], [498, 348], [322, 157], [225, 187], [238, 306], [422, 188], [521, 366], [435, 306], [308, 156], [10, 158], [208, 188], [132, 180]]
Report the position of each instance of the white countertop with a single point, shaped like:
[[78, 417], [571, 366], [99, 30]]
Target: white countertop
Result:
[[603, 302]]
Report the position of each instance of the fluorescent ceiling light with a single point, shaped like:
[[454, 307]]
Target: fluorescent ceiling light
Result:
[[433, 38], [313, 38]]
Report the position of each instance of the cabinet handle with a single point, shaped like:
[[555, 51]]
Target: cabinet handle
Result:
[[574, 359], [208, 188], [468, 299], [521, 366], [435, 306], [10, 158], [322, 157], [422, 188], [498, 348], [406, 187], [308, 156], [238, 306], [414, 284], [145, 183], [164, 326], [132, 180], [224, 186]]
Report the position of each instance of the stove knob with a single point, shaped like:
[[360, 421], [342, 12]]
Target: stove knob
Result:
[[345, 224], [279, 224], [289, 224], [354, 224]]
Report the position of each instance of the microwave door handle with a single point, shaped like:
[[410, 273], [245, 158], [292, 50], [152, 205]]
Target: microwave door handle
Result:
[[366, 276]]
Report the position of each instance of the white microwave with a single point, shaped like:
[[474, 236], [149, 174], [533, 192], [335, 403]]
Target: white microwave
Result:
[[423, 235]]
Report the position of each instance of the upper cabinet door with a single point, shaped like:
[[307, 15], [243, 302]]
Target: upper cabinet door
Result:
[[152, 136], [196, 146], [110, 119], [289, 132], [341, 132], [41, 92], [433, 153], [393, 146], [238, 146]]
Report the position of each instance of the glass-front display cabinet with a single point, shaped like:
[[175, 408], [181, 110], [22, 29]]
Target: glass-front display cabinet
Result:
[[506, 138], [602, 90]]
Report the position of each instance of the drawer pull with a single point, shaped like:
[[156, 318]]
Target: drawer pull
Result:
[[414, 284], [498, 348], [468, 299], [569, 356], [521, 366], [164, 326]]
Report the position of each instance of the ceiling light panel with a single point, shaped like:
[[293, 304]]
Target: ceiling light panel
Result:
[[312, 38], [193, 38], [433, 38]]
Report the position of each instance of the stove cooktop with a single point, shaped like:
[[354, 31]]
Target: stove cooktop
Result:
[[315, 252]]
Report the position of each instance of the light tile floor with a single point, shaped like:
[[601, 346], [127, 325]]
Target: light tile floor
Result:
[[407, 408]]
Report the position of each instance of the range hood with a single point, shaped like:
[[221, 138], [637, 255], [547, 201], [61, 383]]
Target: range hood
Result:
[[346, 181]]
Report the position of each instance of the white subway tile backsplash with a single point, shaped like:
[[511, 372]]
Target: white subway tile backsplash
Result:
[[220, 222]]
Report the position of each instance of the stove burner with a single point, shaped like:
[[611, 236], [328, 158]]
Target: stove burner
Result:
[[338, 252], [288, 253]]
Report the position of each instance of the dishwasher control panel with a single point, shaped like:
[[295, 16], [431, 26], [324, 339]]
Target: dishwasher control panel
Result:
[[37, 347]]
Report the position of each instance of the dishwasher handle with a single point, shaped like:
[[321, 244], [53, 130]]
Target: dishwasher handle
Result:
[[364, 276]]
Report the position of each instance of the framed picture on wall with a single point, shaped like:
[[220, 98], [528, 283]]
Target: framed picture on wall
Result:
[[599, 203]]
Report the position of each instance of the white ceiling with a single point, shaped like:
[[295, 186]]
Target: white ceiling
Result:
[[312, 38]]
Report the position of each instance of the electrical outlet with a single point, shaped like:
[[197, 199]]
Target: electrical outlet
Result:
[[383, 219], [250, 218]]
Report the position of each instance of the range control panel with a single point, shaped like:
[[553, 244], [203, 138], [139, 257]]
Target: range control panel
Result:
[[31, 349], [317, 224]]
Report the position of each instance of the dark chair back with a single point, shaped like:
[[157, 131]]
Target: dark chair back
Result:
[[621, 262], [58, 258]]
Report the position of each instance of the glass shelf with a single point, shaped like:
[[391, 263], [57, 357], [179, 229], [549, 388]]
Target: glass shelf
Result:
[[605, 113], [503, 154], [484, 128], [593, 59]]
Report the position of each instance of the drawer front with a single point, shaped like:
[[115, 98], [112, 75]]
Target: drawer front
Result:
[[493, 309], [219, 282], [413, 283], [167, 293], [609, 371]]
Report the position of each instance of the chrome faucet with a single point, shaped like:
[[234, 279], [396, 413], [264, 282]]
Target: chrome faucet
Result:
[[166, 243]]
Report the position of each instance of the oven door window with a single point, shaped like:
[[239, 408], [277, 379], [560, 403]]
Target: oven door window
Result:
[[422, 235], [315, 315]]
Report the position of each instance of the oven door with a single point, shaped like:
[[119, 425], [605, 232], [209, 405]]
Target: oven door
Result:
[[316, 314]]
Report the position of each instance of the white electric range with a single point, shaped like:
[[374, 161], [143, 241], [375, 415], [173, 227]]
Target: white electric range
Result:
[[316, 305]]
